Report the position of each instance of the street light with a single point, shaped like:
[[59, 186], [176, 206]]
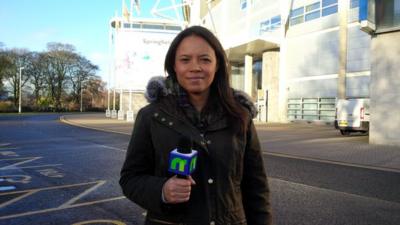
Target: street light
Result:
[[20, 75], [81, 97]]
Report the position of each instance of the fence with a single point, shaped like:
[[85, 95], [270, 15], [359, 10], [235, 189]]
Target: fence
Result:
[[311, 109]]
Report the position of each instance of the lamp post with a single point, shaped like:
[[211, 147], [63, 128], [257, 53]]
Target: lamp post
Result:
[[20, 80], [81, 98]]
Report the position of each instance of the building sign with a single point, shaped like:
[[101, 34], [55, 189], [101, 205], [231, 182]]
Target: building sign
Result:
[[139, 55]]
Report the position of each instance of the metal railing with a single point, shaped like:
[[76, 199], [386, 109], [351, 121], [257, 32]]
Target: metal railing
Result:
[[311, 109]]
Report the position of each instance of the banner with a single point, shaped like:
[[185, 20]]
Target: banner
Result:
[[139, 55]]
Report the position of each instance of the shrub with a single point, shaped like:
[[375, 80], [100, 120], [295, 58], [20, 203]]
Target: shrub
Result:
[[7, 106]]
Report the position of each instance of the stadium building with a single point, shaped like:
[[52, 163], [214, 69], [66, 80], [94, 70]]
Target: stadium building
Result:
[[296, 58]]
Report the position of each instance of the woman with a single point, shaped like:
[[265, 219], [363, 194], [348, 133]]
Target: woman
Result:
[[229, 185]]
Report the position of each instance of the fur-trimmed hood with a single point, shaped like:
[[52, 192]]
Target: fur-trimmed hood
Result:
[[157, 88]]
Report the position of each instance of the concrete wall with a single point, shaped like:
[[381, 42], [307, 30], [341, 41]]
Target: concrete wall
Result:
[[385, 89], [234, 25], [313, 57], [270, 80]]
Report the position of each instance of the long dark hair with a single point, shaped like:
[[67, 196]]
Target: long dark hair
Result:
[[220, 87]]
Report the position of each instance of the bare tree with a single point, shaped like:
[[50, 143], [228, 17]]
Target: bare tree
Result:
[[54, 78], [95, 89], [5, 65], [61, 59], [17, 58], [82, 72], [39, 63]]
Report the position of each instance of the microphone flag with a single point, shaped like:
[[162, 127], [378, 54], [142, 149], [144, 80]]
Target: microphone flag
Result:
[[183, 159]]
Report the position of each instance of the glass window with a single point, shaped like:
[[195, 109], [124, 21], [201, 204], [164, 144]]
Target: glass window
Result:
[[276, 19], [173, 28], [243, 4], [257, 75], [127, 25], [354, 3], [312, 16], [135, 25], [296, 20], [328, 2], [265, 23], [275, 22], [387, 14], [270, 24], [297, 12], [312, 7], [264, 26], [275, 26], [329, 10], [153, 26]]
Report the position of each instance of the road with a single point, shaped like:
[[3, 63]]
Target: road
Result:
[[53, 173]]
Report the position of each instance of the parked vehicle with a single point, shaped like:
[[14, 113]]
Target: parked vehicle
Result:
[[352, 115]]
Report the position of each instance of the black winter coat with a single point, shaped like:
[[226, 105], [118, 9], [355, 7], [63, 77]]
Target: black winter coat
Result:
[[231, 184]]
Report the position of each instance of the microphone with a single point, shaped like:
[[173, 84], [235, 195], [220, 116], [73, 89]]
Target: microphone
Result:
[[183, 159]]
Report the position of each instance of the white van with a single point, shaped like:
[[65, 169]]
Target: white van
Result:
[[352, 115]]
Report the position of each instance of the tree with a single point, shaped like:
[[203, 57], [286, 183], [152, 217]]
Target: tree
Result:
[[39, 63], [5, 65], [17, 58], [97, 90], [61, 60], [82, 72], [51, 79]]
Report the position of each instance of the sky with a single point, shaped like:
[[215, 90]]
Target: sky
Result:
[[31, 24]]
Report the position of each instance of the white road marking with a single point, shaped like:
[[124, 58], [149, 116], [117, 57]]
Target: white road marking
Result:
[[24, 179], [113, 148], [7, 188]]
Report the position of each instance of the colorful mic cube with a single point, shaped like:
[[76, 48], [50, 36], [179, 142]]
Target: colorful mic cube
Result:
[[182, 164]]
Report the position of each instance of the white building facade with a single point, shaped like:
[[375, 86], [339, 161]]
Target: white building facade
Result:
[[297, 57], [294, 56]]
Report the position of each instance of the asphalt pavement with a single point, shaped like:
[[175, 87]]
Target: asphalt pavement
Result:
[[313, 142], [61, 174]]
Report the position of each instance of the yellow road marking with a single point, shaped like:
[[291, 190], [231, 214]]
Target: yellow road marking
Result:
[[51, 188], [67, 205], [116, 222], [24, 160], [59, 208], [76, 198], [17, 199]]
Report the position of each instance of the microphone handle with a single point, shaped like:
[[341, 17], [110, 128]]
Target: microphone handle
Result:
[[181, 176]]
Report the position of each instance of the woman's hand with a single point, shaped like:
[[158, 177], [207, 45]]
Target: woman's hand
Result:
[[177, 190]]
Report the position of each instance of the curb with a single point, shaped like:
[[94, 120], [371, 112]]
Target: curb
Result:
[[63, 120], [362, 166]]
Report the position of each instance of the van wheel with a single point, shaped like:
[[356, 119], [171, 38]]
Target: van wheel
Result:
[[345, 132]]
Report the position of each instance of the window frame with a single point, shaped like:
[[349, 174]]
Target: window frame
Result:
[[312, 11], [327, 5]]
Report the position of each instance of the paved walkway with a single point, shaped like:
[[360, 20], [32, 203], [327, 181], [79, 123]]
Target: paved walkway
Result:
[[305, 141]]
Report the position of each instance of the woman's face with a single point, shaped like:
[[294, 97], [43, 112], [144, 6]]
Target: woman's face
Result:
[[195, 65]]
